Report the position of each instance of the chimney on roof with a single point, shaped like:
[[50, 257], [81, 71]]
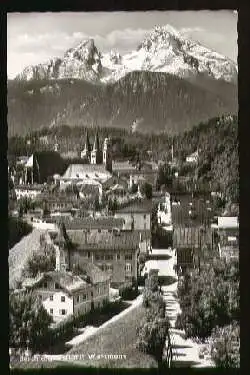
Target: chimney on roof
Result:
[[60, 259]]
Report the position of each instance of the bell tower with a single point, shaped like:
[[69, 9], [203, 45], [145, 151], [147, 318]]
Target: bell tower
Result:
[[96, 154], [107, 154]]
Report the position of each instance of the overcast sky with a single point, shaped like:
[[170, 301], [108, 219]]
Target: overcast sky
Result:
[[35, 37]]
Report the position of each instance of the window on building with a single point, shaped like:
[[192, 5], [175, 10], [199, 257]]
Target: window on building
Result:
[[103, 267], [51, 298], [89, 255], [128, 267], [77, 299], [128, 257], [57, 286], [51, 311], [145, 216], [108, 257], [118, 256], [92, 294], [97, 257], [62, 298], [45, 284], [63, 312], [99, 230], [109, 267], [84, 297]]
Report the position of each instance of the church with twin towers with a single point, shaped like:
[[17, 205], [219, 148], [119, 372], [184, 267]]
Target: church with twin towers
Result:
[[96, 154]]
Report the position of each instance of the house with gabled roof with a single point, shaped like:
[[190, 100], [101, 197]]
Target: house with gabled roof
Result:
[[114, 252], [64, 293], [137, 215]]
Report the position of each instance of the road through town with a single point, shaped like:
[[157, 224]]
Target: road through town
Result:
[[185, 351]]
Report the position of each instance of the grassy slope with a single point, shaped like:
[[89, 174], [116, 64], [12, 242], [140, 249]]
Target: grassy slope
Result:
[[20, 253], [117, 338]]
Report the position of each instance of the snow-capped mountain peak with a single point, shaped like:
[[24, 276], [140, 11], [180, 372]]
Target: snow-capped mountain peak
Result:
[[164, 49], [80, 62]]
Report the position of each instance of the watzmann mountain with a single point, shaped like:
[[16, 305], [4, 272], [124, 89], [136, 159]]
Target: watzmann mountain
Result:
[[169, 83], [162, 50]]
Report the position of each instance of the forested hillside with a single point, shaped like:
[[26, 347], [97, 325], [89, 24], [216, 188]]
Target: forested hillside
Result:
[[156, 101], [217, 142]]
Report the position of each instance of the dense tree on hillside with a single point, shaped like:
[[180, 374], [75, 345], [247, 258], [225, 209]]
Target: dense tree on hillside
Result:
[[17, 230], [159, 99], [165, 176], [154, 327], [28, 322], [40, 262], [225, 346], [146, 189], [209, 298], [113, 205]]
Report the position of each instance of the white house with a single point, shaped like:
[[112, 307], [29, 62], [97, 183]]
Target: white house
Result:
[[225, 222], [164, 213], [28, 191], [64, 293], [193, 158]]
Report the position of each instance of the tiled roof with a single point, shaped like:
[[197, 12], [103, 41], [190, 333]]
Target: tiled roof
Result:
[[95, 274], [122, 166], [107, 222], [82, 170], [66, 280], [29, 187], [115, 180], [186, 237], [57, 198], [105, 241], [139, 207], [89, 189]]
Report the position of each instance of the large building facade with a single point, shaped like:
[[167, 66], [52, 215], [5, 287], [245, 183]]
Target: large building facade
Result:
[[115, 252]]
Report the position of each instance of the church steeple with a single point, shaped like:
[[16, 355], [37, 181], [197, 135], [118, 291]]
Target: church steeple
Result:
[[96, 145], [86, 153], [96, 153]]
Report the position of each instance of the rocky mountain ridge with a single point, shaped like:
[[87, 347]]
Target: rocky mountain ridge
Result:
[[163, 49]]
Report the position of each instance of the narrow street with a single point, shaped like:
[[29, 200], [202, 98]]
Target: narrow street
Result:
[[185, 351]]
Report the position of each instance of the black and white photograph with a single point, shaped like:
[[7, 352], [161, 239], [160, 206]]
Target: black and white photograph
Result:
[[123, 189]]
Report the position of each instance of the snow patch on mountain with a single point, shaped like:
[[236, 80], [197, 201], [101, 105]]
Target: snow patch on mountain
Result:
[[164, 49]]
